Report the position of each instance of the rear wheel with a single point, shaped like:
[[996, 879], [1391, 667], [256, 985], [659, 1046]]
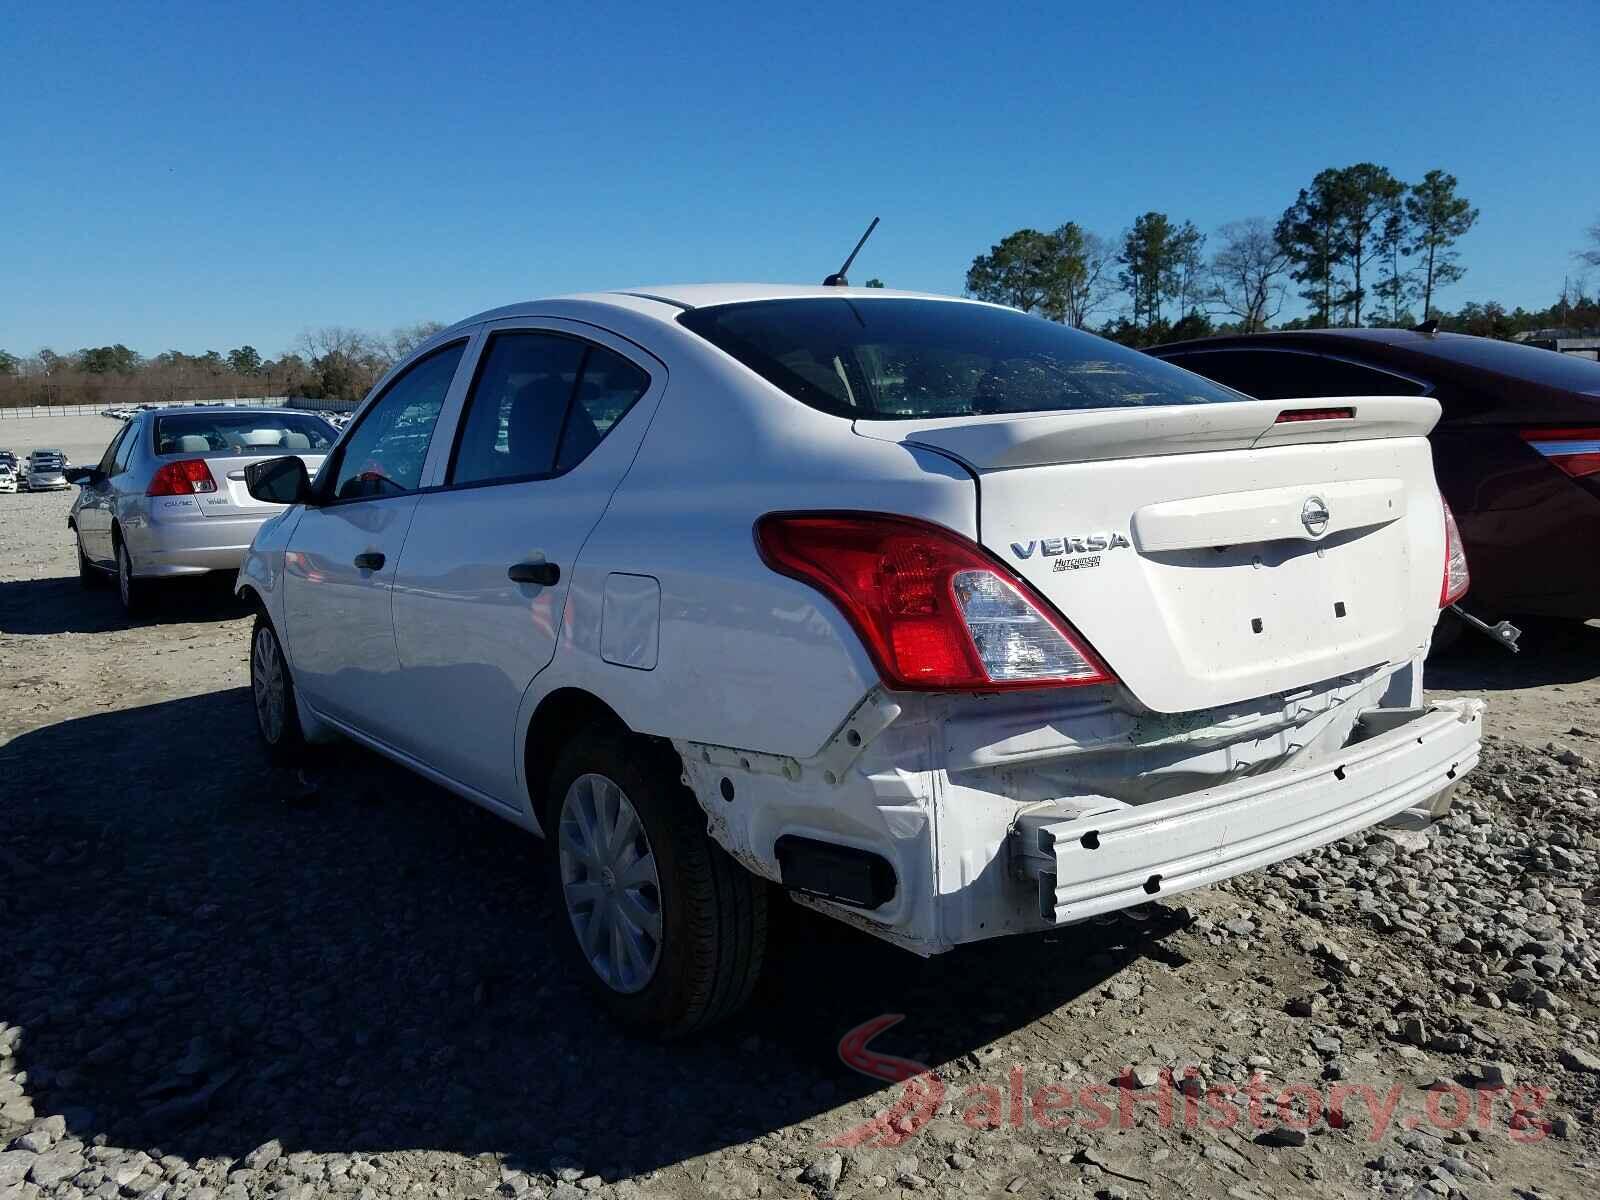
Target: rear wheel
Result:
[[669, 930], [130, 589], [272, 690]]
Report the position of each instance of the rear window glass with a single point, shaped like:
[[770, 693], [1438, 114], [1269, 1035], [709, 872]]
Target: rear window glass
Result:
[[905, 359], [1549, 368], [242, 433]]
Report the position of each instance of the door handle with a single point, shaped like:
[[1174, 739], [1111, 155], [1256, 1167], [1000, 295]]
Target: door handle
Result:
[[546, 574], [370, 561]]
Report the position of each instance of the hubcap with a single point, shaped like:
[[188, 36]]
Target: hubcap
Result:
[[266, 680], [609, 880]]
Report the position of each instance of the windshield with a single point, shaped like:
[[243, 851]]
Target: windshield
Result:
[[242, 433], [905, 359]]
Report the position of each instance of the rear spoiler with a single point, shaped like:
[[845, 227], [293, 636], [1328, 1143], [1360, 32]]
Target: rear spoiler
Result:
[[1006, 440]]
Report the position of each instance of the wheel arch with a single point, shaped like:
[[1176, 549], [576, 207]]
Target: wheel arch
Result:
[[558, 716]]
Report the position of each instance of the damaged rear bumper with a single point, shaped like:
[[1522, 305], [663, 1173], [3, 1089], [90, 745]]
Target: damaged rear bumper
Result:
[[1084, 865]]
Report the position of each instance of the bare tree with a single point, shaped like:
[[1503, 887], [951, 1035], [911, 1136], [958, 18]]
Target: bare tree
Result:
[[345, 361], [1087, 282], [407, 338], [1247, 273], [334, 339], [1592, 255]]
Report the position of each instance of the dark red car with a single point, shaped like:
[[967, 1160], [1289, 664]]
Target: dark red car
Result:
[[1516, 451]]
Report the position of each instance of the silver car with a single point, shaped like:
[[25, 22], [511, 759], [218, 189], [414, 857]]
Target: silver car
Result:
[[46, 471], [168, 496]]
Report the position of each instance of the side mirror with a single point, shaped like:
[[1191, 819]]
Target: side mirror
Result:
[[85, 476], [278, 481]]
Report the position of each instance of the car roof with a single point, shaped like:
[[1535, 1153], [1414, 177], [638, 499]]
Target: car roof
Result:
[[212, 410], [666, 301], [1463, 355]]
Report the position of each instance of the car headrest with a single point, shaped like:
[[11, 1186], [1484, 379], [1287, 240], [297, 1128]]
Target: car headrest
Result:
[[263, 437], [193, 443], [296, 441]]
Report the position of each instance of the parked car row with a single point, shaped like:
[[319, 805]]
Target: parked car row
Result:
[[127, 412], [41, 471]]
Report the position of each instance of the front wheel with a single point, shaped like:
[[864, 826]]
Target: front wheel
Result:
[[272, 690], [669, 930]]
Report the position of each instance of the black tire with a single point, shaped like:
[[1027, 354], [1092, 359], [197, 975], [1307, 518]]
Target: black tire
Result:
[[282, 738], [90, 577], [131, 590], [713, 913]]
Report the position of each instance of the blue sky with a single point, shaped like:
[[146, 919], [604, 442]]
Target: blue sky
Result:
[[200, 176]]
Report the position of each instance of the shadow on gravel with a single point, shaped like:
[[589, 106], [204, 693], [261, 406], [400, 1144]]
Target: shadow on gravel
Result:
[[63, 605], [1552, 652], [205, 953]]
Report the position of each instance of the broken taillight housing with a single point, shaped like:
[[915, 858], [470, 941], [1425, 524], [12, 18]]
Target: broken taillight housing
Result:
[[933, 609], [182, 478], [1456, 577]]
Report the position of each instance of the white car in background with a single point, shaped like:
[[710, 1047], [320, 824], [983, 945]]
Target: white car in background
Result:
[[948, 620], [8, 478]]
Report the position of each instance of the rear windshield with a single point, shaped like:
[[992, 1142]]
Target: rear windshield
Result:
[[1535, 364], [242, 433], [903, 359]]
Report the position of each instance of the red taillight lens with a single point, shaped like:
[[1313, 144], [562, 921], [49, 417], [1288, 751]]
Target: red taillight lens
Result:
[[183, 478], [1456, 577], [933, 609], [1574, 451], [1313, 414]]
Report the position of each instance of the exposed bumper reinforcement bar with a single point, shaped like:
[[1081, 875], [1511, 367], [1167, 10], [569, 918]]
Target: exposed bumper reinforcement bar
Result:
[[1087, 865]]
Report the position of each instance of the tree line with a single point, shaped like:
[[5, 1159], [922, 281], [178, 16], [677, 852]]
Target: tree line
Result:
[[1358, 245], [329, 363]]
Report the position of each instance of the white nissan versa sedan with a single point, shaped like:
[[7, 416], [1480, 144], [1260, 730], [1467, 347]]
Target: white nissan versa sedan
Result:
[[950, 621]]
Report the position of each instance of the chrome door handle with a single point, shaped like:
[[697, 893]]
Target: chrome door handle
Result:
[[370, 561], [546, 574]]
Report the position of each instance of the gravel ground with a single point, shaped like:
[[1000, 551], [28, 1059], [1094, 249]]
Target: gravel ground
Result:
[[217, 979]]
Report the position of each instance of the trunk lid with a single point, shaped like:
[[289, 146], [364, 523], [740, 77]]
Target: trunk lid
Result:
[[1210, 553], [232, 498]]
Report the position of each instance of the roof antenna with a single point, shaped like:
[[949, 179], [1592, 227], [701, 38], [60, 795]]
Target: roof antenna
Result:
[[837, 279], [1431, 325]]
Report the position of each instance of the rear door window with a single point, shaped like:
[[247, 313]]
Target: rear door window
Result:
[[124, 454], [541, 403], [910, 359], [107, 459]]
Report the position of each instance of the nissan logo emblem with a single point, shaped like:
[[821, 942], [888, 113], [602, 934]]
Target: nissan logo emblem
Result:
[[1314, 516]]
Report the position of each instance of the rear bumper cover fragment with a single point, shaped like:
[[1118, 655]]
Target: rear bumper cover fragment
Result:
[[1087, 865]]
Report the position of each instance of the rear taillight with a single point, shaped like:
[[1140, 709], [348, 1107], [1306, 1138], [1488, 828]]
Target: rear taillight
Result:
[[1456, 577], [933, 609], [1574, 451], [183, 478]]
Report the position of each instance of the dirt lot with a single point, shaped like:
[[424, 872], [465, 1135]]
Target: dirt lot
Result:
[[217, 979]]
